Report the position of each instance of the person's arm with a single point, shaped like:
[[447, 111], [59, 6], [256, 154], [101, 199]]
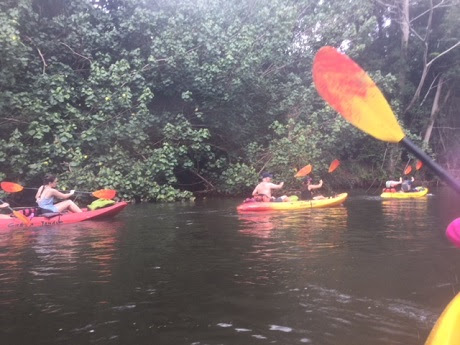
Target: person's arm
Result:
[[276, 186], [38, 193], [60, 195], [4, 205], [316, 186], [412, 179], [255, 192]]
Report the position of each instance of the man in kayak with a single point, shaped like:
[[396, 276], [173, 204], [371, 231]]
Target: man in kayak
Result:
[[307, 192], [406, 186], [4, 216], [47, 193], [390, 186], [263, 191]]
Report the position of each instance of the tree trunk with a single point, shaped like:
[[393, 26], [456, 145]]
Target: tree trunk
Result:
[[405, 29], [434, 110]]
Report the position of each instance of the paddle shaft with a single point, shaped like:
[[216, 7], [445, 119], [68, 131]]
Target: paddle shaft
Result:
[[443, 174], [2, 202]]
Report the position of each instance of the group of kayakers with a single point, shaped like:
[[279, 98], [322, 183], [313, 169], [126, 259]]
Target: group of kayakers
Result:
[[46, 197], [263, 191]]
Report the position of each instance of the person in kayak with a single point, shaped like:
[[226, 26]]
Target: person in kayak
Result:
[[47, 193], [406, 186], [4, 216], [393, 184], [307, 191], [263, 191]]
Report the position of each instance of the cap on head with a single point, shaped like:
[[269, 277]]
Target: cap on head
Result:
[[266, 174]]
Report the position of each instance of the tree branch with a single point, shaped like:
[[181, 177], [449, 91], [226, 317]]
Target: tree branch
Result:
[[43, 60]]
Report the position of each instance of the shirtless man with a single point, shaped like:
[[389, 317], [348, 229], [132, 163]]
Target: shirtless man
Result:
[[263, 191]]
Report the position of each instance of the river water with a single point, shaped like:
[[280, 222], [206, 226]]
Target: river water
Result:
[[369, 272]]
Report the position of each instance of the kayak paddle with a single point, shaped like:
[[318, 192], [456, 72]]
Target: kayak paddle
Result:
[[418, 165], [408, 170], [304, 171], [11, 187], [18, 215], [446, 330], [334, 165], [352, 93]]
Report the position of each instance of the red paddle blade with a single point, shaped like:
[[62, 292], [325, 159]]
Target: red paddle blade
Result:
[[334, 164], [352, 93], [418, 165], [11, 187], [21, 217], [105, 193], [304, 171], [408, 170]]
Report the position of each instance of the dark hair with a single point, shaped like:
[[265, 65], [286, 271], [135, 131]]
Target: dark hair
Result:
[[264, 175], [49, 178]]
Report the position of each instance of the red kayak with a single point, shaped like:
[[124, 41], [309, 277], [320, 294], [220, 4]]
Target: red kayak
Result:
[[65, 218]]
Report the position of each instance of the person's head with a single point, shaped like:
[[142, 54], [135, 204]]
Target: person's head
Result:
[[406, 178], [267, 176], [307, 180], [50, 179]]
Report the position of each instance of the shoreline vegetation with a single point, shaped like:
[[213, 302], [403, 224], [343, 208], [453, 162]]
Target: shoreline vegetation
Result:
[[167, 101]]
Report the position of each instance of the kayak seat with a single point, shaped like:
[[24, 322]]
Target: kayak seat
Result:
[[49, 215]]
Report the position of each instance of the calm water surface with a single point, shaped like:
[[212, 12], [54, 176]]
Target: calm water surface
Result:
[[369, 272]]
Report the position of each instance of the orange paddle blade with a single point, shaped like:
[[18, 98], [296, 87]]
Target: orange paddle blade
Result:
[[21, 217], [11, 187], [334, 164], [408, 170], [351, 92], [418, 165], [304, 171], [105, 193]]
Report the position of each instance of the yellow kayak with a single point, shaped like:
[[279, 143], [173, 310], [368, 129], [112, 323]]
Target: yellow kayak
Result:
[[420, 191], [292, 205], [446, 331]]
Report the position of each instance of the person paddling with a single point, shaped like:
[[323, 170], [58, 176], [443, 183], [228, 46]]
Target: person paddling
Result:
[[263, 191], [47, 193], [391, 185], [307, 192], [406, 186], [4, 216]]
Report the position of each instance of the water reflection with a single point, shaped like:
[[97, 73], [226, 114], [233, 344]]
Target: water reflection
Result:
[[44, 255]]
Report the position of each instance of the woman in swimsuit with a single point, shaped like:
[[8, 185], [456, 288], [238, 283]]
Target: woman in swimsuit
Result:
[[47, 193]]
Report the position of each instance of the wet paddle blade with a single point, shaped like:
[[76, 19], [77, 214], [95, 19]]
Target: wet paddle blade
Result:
[[408, 170], [21, 217], [105, 193], [418, 165], [446, 331], [11, 187], [352, 93], [334, 165], [304, 171]]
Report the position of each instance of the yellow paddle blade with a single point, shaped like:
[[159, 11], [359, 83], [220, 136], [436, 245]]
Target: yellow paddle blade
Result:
[[446, 331], [22, 217], [351, 92], [304, 171]]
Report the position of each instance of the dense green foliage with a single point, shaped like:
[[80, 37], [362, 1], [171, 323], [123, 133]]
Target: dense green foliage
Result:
[[159, 99]]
